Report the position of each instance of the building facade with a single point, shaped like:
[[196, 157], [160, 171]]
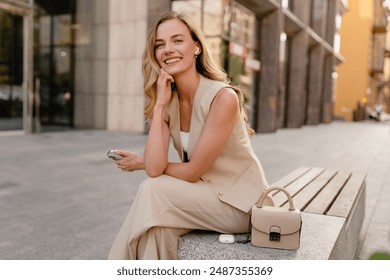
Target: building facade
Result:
[[80, 61], [364, 78]]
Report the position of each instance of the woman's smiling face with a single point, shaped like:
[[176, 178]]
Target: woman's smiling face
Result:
[[174, 47]]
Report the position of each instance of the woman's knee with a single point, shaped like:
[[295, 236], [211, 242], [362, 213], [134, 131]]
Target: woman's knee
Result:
[[150, 185], [155, 182], [149, 182]]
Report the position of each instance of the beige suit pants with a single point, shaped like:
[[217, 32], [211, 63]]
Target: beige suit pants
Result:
[[163, 210]]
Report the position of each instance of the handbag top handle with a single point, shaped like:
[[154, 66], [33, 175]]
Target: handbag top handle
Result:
[[290, 201]]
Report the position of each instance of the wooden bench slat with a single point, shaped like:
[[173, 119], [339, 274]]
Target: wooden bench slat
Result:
[[305, 196], [321, 203], [292, 176], [294, 187], [343, 204]]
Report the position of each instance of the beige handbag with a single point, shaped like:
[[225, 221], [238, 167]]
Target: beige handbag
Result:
[[276, 227]]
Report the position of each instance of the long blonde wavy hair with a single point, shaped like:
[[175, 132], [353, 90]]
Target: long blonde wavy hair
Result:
[[205, 64]]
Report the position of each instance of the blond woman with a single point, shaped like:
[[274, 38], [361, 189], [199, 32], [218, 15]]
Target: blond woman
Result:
[[219, 177]]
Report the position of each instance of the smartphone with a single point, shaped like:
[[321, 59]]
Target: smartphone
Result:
[[113, 155]]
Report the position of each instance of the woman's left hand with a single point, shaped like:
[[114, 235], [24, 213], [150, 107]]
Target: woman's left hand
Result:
[[131, 161], [164, 90]]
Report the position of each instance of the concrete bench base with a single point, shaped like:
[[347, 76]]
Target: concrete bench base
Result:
[[348, 244], [332, 204], [318, 237]]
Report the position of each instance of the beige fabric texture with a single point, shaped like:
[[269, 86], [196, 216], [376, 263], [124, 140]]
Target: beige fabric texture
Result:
[[166, 208]]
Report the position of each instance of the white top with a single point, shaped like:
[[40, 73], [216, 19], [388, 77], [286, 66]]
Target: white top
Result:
[[184, 138]]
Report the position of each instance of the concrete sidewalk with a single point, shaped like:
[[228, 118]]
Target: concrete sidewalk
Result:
[[62, 198]]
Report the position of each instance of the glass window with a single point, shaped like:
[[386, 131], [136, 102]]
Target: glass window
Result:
[[11, 71], [53, 60], [44, 30], [62, 29], [284, 53]]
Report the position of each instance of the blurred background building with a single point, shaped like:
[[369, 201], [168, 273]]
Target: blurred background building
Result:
[[364, 78], [77, 63]]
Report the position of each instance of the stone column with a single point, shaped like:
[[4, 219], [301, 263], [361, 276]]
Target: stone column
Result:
[[91, 64], [327, 99], [331, 21], [316, 63], [301, 8], [271, 26], [315, 85], [127, 29], [318, 17], [28, 61], [330, 61], [296, 99]]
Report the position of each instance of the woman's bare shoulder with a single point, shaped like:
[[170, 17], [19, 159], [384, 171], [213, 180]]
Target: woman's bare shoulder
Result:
[[226, 98]]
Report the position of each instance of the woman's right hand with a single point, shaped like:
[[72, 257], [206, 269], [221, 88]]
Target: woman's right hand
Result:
[[164, 90], [130, 162]]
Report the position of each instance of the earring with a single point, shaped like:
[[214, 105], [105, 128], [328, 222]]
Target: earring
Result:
[[197, 51]]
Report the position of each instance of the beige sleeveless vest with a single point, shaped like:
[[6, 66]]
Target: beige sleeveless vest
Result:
[[236, 176]]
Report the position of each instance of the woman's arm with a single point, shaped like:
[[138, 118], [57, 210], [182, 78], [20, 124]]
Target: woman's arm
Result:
[[156, 148], [223, 116]]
